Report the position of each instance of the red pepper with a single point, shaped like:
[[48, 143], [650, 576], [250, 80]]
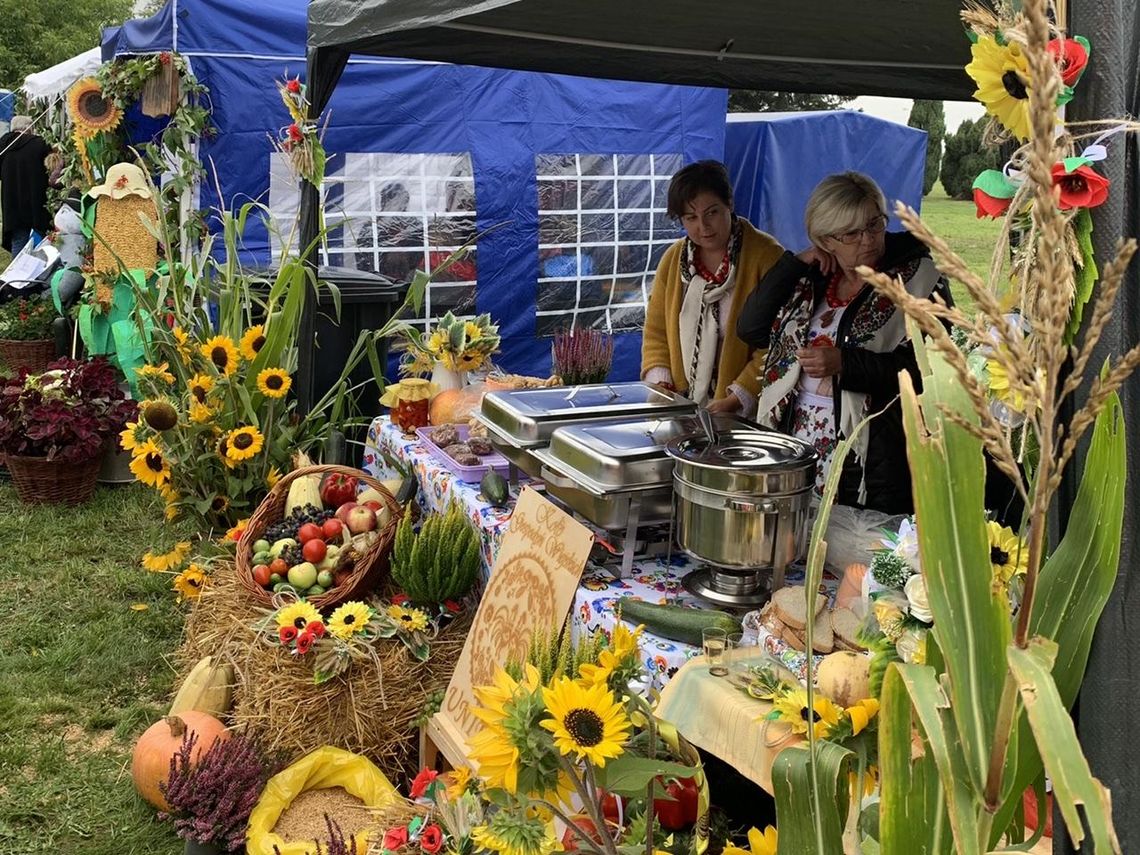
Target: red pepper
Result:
[[337, 489], [609, 804], [680, 809]]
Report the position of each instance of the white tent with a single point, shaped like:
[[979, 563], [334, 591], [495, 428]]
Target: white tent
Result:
[[53, 82]]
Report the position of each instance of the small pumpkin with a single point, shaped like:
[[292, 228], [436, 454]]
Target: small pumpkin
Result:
[[150, 763]]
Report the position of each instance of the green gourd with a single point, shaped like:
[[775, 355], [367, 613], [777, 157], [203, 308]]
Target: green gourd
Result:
[[676, 622], [441, 562]]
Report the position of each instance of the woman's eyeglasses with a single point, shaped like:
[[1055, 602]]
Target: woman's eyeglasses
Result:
[[874, 227]]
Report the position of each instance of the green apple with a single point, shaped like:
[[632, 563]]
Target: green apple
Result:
[[261, 557], [314, 591], [303, 576], [279, 587], [280, 546], [261, 545], [325, 579], [276, 579]]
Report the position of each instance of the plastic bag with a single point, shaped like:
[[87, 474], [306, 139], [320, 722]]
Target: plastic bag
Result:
[[325, 767], [854, 534]]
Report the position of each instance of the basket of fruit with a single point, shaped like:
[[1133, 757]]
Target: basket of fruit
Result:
[[321, 535]]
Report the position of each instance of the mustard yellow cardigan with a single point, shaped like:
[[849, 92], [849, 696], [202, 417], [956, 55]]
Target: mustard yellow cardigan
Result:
[[661, 341]]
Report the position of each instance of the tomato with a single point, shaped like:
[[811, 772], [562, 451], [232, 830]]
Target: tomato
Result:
[[570, 839], [309, 531], [314, 550], [261, 574], [609, 806], [279, 566], [332, 528]]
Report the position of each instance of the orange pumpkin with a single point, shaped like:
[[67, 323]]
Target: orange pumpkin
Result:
[[150, 764], [454, 406]]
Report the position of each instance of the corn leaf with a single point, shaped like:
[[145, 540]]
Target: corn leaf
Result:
[[1073, 782], [791, 781], [971, 623]]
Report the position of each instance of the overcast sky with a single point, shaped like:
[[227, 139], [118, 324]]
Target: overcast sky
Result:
[[898, 109]]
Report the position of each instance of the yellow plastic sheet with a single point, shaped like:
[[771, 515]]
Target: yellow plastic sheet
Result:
[[325, 767]]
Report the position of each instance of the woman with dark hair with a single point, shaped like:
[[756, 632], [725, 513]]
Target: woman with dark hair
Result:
[[690, 342]]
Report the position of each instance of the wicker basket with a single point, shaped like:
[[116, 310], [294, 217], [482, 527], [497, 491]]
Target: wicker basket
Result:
[[367, 572], [33, 356], [57, 482]]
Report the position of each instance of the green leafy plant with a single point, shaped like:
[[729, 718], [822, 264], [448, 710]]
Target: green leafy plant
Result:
[[27, 320], [440, 563]]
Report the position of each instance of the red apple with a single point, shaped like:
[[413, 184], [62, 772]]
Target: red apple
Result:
[[332, 528], [374, 506], [344, 510], [361, 519]]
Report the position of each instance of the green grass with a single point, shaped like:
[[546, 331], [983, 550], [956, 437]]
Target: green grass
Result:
[[83, 674], [971, 238]]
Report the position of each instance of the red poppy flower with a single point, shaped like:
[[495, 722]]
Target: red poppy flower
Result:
[[452, 606], [164, 57], [400, 599], [293, 85], [1071, 56], [422, 782], [395, 838], [304, 642], [316, 629], [431, 839], [1081, 188], [990, 206], [287, 634], [295, 133]]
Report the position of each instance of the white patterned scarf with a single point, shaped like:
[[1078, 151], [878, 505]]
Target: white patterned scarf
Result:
[[700, 318]]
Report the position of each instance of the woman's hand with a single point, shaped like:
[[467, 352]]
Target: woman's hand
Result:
[[815, 255], [728, 404], [820, 361]]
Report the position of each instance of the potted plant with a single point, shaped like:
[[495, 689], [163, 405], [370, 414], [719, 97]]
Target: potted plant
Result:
[[26, 339], [54, 427]]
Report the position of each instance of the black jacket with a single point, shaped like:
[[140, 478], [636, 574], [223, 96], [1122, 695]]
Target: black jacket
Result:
[[23, 184], [884, 472]]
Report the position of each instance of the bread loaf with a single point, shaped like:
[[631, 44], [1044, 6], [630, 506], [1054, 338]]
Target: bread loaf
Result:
[[790, 606], [846, 626]]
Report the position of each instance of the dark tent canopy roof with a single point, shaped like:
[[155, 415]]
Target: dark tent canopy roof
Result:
[[906, 48]]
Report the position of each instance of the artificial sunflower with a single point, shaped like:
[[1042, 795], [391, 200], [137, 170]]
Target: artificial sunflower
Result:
[[200, 386], [200, 414], [409, 620], [274, 383], [156, 372], [189, 583], [792, 709], [1009, 554], [458, 782], [861, 713], [272, 477], [511, 833], [585, 720], [1002, 74], [131, 436], [759, 843], [90, 112], [166, 561], [159, 414], [235, 531], [223, 353], [349, 619], [243, 443], [298, 615], [149, 465], [252, 342]]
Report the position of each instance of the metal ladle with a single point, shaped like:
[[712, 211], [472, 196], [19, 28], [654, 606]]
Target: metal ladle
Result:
[[706, 421]]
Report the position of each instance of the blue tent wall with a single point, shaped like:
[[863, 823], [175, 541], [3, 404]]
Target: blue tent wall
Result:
[[502, 118], [777, 159]]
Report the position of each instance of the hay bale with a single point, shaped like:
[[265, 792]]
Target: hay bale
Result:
[[365, 711]]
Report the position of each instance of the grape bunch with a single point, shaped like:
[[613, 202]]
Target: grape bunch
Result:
[[292, 555], [289, 525]]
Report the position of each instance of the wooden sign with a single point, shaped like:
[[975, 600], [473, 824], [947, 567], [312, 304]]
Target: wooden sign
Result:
[[532, 588]]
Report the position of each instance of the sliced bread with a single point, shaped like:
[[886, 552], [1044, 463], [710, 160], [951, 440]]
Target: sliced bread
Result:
[[794, 639], [822, 637], [790, 606], [846, 626]]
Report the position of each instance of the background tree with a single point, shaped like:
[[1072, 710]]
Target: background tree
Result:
[[36, 35], [965, 157], [930, 117], [756, 101]]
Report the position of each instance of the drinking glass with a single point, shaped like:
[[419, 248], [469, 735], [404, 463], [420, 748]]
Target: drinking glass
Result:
[[715, 641]]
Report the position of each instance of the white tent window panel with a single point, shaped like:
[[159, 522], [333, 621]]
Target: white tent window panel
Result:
[[602, 229], [394, 214]]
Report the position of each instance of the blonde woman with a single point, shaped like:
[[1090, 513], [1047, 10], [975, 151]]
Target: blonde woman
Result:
[[835, 346]]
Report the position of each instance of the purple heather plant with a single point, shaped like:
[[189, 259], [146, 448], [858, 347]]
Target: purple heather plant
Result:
[[210, 802], [583, 355]]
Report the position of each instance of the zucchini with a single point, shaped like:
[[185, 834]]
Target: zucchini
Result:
[[676, 622], [495, 488]]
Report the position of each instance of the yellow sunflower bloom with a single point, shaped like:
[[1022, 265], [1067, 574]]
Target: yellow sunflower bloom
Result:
[[1009, 554], [274, 383], [189, 583], [472, 332], [132, 436], [623, 645], [491, 749], [200, 386], [861, 714], [759, 843], [409, 620], [1002, 75], [437, 341], [200, 414], [172, 511], [1001, 388], [149, 465], [160, 373], [298, 615], [91, 113], [167, 561], [222, 352], [182, 345], [252, 342], [160, 415], [349, 619], [794, 712], [272, 477], [585, 720], [243, 443], [458, 782], [870, 780], [508, 833], [235, 531]]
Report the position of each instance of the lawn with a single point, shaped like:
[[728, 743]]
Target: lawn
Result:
[[971, 238], [83, 672]]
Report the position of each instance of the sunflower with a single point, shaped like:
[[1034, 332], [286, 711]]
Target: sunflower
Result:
[[200, 386], [437, 341], [1009, 554], [129, 438], [861, 714], [236, 530], [759, 843], [90, 112], [222, 352], [299, 615], [149, 465], [272, 477], [459, 781], [1001, 388], [171, 560], [159, 415], [409, 620], [585, 720], [511, 833], [201, 413], [252, 342], [472, 331], [274, 383], [349, 619], [182, 345], [243, 443], [156, 372], [1002, 74], [219, 504], [172, 510], [189, 583], [792, 708], [620, 654], [492, 748], [224, 453]]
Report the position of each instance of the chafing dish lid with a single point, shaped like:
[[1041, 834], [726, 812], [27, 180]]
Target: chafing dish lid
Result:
[[744, 451]]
